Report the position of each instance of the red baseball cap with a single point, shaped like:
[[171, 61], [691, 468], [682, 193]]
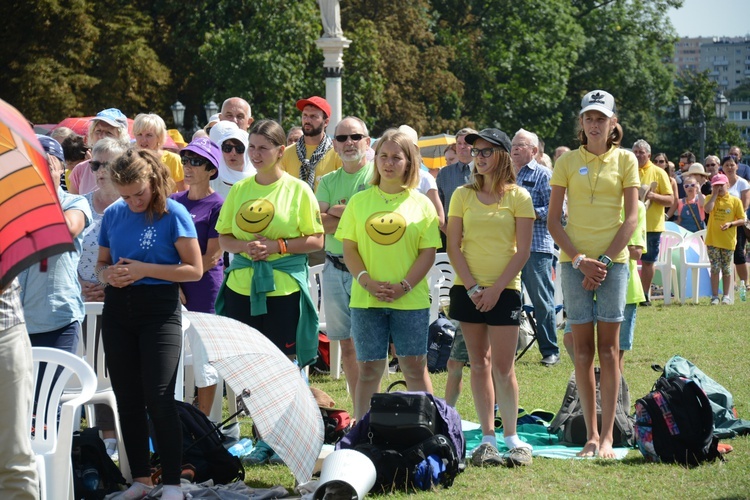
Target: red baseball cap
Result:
[[316, 101]]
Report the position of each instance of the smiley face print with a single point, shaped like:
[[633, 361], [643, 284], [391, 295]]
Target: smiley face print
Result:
[[385, 228], [255, 215]]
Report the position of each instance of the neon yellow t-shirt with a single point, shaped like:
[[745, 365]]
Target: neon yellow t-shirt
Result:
[[290, 162], [635, 294], [592, 224], [489, 239], [389, 237], [285, 209], [336, 188], [655, 213], [174, 164], [727, 208]]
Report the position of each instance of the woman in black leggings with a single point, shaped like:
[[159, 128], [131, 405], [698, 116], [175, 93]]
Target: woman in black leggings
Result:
[[147, 245]]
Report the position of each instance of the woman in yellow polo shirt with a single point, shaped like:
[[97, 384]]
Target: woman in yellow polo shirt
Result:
[[390, 234], [489, 240], [599, 179]]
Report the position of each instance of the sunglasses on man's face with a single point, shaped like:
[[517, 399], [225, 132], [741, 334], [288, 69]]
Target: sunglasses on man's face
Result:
[[193, 161], [227, 148], [95, 165], [355, 137]]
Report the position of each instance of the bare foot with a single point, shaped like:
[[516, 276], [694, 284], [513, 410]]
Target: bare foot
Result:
[[589, 449], [605, 450]]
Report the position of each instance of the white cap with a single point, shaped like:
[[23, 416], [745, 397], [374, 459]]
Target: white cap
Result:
[[598, 100]]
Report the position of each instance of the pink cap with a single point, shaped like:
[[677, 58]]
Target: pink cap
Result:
[[719, 179]]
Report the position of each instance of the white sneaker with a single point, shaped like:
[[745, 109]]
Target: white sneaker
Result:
[[715, 301], [727, 300]]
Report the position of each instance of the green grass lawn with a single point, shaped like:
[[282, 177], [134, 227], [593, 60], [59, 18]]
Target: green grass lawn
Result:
[[715, 338]]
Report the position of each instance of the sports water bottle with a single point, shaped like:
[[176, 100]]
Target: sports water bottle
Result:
[[743, 291], [90, 478]]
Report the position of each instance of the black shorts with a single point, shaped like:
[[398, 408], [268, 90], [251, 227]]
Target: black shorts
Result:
[[279, 323], [507, 311], [739, 249]]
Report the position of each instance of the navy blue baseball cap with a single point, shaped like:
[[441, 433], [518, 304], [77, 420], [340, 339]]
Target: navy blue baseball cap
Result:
[[51, 147]]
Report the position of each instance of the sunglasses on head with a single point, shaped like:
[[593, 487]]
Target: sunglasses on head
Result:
[[227, 148], [95, 165], [355, 137]]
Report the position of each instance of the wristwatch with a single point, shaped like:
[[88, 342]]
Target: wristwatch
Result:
[[606, 261]]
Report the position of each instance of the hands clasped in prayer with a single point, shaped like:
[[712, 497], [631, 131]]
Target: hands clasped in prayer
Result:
[[261, 248], [385, 291]]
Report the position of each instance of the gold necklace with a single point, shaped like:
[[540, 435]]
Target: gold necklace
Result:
[[596, 182], [388, 200]]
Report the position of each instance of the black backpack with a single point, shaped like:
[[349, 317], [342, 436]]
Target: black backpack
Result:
[[410, 469], [203, 448], [89, 451], [570, 425], [674, 423], [439, 343]]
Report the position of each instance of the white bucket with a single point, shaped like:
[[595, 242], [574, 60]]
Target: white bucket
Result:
[[347, 468]]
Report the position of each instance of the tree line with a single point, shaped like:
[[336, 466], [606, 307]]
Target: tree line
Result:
[[437, 65]]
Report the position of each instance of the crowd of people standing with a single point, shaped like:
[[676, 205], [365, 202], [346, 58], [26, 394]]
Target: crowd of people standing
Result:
[[231, 223]]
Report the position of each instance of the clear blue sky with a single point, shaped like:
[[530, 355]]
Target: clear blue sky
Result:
[[712, 18]]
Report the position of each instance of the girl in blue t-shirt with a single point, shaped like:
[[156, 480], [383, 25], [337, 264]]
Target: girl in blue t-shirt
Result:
[[147, 245]]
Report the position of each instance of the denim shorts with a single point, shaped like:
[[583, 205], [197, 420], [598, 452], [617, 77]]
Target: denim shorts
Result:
[[653, 239], [373, 329], [337, 291], [627, 328], [610, 296]]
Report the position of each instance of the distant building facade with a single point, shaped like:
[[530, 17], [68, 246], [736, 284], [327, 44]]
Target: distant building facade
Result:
[[726, 59]]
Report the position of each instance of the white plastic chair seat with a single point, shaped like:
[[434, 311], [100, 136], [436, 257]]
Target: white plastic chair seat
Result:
[[52, 441], [669, 240], [697, 243]]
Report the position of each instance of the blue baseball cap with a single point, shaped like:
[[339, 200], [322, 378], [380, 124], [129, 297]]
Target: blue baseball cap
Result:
[[112, 116], [51, 147], [205, 147]]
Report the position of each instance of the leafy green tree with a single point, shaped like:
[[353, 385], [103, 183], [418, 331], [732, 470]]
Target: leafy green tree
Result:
[[627, 46], [45, 55]]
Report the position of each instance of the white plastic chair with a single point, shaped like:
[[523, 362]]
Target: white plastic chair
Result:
[[444, 265], [93, 354], [315, 285], [669, 240], [435, 281], [697, 243], [52, 441]]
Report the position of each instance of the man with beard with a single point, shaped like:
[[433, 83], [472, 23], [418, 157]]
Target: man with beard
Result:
[[313, 155], [334, 191]]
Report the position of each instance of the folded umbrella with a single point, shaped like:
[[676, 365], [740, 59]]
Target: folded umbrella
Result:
[[277, 398]]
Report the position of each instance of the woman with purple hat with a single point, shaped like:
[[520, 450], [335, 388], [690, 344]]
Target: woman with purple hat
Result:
[[599, 178], [200, 161]]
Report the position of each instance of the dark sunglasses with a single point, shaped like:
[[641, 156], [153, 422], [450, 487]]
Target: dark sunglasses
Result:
[[484, 153], [227, 148], [661, 161], [712, 165], [193, 161], [95, 165], [355, 137]]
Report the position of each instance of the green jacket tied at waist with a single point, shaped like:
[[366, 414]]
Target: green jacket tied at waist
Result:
[[262, 282]]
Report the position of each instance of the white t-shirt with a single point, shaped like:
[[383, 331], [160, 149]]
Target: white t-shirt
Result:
[[426, 182], [739, 186]]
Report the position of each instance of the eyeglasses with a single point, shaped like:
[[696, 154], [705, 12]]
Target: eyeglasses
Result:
[[95, 165], [520, 146], [355, 137], [691, 185], [712, 164], [193, 161], [661, 161], [227, 148], [484, 153], [682, 163]]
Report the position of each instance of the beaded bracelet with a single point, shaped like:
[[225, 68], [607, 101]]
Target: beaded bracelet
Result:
[[98, 274], [406, 286]]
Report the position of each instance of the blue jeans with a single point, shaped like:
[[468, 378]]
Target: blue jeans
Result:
[[537, 279], [374, 328], [337, 290]]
